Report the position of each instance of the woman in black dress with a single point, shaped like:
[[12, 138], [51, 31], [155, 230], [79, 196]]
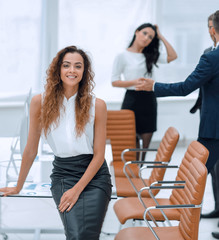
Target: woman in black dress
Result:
[[131, 67]]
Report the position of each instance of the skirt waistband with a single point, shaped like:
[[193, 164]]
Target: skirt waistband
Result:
[[71, 169], [74, 167]]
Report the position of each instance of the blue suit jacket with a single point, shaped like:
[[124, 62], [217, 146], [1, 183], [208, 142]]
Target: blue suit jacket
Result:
[[206, 77]]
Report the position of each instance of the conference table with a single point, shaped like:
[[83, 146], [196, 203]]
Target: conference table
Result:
[[38, 190], [42, 190]]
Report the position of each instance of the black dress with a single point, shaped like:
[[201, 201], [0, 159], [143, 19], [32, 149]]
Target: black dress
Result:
[[128, 66], [144, 105]]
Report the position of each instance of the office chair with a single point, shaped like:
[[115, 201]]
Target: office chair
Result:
[[131, 185], [134, 207], [189, 208]]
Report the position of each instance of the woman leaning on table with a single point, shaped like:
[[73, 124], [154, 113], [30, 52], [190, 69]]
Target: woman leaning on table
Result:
[[74, 124], [132, 66]]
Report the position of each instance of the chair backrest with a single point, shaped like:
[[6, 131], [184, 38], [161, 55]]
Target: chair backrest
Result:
[[122, 133], [193, 194], [194, 150], [164, 153]]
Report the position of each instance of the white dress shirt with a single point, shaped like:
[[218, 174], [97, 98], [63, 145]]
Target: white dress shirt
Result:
[[130, 65], [63, 140], [216, 45]]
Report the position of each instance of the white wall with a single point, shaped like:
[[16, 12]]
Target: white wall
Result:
[[183, 23], [171, 112]]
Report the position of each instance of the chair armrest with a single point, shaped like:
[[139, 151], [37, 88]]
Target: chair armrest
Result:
[[135, 150], [130, 170], [168, 182], [161, 207], [146, 162], [155, 187], [177, 206], [159, 187], [164, 165], [155, 200], [137, 162], [126, 165], [141, 149], [153, 197]]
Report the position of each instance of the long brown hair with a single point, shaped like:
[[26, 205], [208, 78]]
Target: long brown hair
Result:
[[54, 93]]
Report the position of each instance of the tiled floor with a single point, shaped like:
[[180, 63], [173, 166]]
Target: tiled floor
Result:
[[42, 213]]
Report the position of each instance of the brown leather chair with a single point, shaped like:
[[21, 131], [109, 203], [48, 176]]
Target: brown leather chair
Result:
[[121, 132], [195, 174], [132, 208], [130, 186]]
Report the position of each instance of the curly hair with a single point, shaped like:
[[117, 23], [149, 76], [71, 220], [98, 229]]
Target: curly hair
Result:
[[151, 52], [54, 93]]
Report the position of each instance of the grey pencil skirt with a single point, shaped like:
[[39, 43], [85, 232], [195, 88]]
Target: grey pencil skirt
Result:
[[85, 219]]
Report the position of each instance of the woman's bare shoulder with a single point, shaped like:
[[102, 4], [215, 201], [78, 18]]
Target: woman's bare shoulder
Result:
[[100, 105], [36, 101]]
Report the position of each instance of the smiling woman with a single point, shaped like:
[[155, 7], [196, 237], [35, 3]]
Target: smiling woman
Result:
[[57, 74], [71, 72], [73, 122]]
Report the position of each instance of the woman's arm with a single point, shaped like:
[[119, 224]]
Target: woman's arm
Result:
[[117, 70], [171, 53], [31, 148], [71, 196]]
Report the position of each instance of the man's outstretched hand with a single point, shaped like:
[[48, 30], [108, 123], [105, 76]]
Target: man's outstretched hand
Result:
[[145, 85]]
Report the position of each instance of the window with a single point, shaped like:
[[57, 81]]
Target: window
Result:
[[19, 45], [102, 28]]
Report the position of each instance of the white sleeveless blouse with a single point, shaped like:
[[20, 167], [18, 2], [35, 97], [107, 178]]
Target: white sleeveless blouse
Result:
[[63, 140]]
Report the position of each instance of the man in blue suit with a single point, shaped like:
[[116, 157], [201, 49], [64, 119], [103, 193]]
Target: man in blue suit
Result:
[[198, 102], [206, 77], [215, 171]]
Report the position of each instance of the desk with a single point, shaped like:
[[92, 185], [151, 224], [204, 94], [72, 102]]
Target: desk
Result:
[[31, 190], [38, 190], [42, 190]]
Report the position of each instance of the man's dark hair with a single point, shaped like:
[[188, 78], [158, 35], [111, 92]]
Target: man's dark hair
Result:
[[210, 18], [215, 21]]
